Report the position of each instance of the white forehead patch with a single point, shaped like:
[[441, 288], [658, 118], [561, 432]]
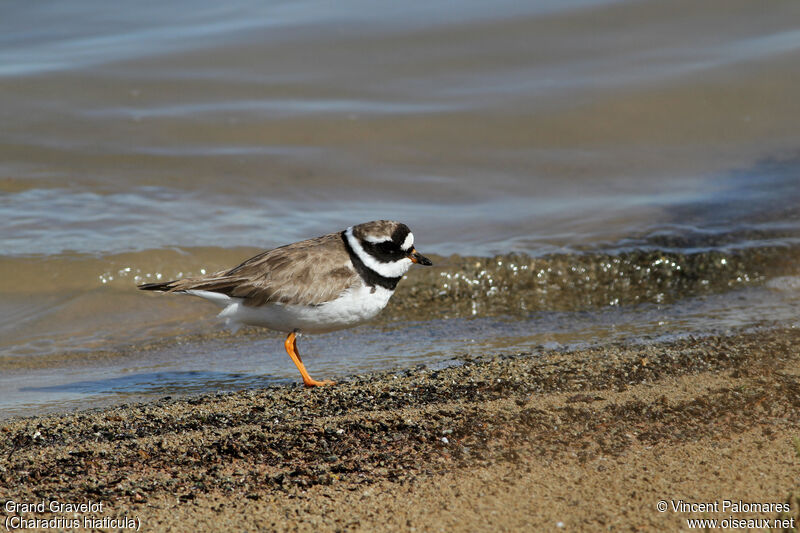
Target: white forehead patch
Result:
[[408, 243]]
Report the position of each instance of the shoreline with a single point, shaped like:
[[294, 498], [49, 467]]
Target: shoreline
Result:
[[590, 438]]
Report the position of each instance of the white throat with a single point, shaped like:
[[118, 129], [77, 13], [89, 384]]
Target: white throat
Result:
[[394, 269]]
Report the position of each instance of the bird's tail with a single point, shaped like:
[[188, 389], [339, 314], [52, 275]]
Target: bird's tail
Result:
[[161, 286]]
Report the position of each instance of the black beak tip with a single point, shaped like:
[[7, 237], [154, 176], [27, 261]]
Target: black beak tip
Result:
[[420, 259]]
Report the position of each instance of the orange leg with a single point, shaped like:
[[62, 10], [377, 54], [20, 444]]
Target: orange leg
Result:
[[291, 348]]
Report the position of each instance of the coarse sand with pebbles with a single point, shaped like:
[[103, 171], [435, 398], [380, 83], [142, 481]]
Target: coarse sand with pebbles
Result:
[[585, 440]]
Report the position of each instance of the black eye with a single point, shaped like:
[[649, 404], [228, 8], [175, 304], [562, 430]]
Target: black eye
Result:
[[388, 247]]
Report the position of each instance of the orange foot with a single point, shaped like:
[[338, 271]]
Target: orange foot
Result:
[[291, 348], [315, 383]]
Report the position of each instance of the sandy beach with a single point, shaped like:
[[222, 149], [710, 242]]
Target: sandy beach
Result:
[[586, 440]]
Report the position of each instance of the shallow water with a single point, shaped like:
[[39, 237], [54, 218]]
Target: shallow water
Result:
[[635, 158], [256, 360]]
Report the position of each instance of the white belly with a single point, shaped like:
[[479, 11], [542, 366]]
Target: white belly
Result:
[[351, 308]]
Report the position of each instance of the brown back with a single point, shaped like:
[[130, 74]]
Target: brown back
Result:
[[309, 272]]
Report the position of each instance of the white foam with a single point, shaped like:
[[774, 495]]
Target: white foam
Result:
[[785, 283]]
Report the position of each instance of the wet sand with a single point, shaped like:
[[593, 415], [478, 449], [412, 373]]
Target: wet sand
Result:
[[589, 439]]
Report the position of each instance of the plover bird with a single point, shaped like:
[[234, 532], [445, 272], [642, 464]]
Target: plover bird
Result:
[[332, 282]]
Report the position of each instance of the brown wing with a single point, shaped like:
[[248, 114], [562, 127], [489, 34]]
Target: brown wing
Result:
[[309, 272]]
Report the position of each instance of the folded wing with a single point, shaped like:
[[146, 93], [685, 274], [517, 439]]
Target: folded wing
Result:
[[309, 272]]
